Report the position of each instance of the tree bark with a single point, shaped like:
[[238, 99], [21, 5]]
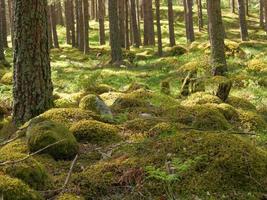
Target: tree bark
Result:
[[171, 23], [261, 11], [10, 7], [116, 52], [101, 11], [49, 28], [2, 55], [72, 23], [59, 13], [149, 33], [189, 21], [86, 26], [80, 23], [242, 20], [200, 15], [67, 19], [3, 22], [54, 25], [216, 35], [157, 4], [121, 14], [32, 90], [265, 15], [127, 30], [232, 6], [136, 33]]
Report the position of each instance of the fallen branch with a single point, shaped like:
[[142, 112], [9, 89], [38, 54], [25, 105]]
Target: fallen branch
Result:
[[9, 141], [10, 162]]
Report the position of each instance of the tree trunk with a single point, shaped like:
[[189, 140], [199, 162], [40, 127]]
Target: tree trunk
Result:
[[101, 11], [86, 26], [242, 20], [200, 15], [77, 23], [261, 13], [10, 7], [59, 14], [171, 23], [67, 19], [265, 15], [92, 15], [121, 22], [72, 23], [4, 24], [247, 7], [127, 42], [232, 6], [32, 90], [136, 33], [157, 4], [189, 21], [49, 28], [149, 33], [2, 55], [116, 52], [218, 60], [53, 25], [80, 23]]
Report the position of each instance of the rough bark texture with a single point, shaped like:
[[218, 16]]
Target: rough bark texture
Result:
[[77, 30], [121, 21], [171, 22], [157, 4], [86, 26], [261, 11], [72, 23], [10, 7], [2, 56], [200, 15], [189, 21], [127, 30], [80, 23], [232, 6], [242, 20], [3, 22], [116, 52], [101, 11], [216, 35], [54, 25], [136, 33], [49, 29], [59, 13], [67, 19], [149, 33], [32, 90]]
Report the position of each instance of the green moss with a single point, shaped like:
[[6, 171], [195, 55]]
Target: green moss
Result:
[[30, 171], [95, 132], [136, 86], [68, 197], [45, 133], [238, 102], [185, 163], [257, 66], [174, 51], [65, 103], [200, 98], [7, 78], [161, 128], [99, 89], [14, 189], [229, 112], [68, 116], [141, 124], [89, 102]]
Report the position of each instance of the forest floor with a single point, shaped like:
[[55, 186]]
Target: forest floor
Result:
[[158, 144]]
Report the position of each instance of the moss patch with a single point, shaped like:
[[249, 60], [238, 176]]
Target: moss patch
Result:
[[240, 103], [45, 133], [95, 132], [200, 98]]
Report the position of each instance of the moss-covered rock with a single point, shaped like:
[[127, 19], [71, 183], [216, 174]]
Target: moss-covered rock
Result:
[[45, 133], [96, 104], [200, 98], [95, 132], [14, 189], [161, 128], [65, 103], [68, 116], [186, 163], [136, 86], [257, 66], [238, 102], [174, 51], [99, 89], [7, 78], [30, 171], [141, 124]]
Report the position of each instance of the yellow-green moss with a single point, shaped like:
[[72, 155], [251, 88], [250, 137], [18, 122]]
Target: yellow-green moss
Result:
[[14, 189], [68, 116], [136, 86], [141, 124], [238, 102], [200, 98], [99, 89], [45, 133], [65, 103], [7, 78], [185, 163], [95, 132], [69, 197], [89, 102], [174, 51], [30, 171], [161, 128], [257, 66]]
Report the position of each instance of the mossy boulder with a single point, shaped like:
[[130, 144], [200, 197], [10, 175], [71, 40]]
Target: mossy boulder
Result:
[[161, 128], [99, 89], [7, 78], [186, 163], [95, 104], [95, 132], [44, 133], [200, 98], [141, 125], [257, 66], [15, 189], [174, 51], [67, 196], [65, 103], [241, 103], [68, 116], [30, 171]]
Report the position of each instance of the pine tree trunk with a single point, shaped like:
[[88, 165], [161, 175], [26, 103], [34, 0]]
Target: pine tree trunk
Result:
[[218, 60], [32, 90], [10, 7], [232, 6], [242, 20], [81, 26], [261, 11], [101, 11], [149, 33], [200, 15], [127, 42], [59, 14], [190, 25], [49, 28], [2, 55], [116, 52], [53, 25], [121, 22], [136, 33], [186, 19], [77, 23], [171, 23], [67, 18], [92, 16], [72, 23], [265, 15], [157, 4], [247, 7], [4, 24], [86, 26]]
